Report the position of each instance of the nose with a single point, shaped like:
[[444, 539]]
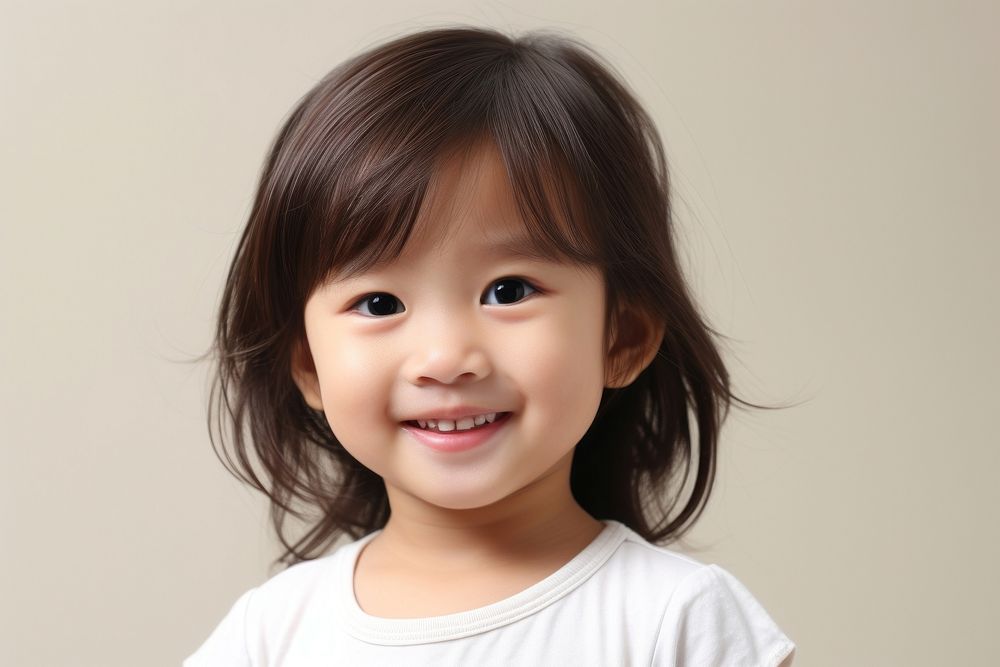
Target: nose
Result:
[[449, 352]]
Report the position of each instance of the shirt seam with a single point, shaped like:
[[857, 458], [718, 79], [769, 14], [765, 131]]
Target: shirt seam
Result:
[[666, 605], [778, 653]]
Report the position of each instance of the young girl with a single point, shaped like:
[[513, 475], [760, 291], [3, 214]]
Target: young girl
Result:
[[455, 330]]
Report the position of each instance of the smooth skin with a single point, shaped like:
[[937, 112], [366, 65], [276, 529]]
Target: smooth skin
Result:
[[459, 322]]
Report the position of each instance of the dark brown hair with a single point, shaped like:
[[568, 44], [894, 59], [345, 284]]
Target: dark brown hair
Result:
[[340, 190]]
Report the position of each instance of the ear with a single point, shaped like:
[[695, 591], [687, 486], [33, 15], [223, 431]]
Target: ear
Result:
[[635, 338], [304, 374]]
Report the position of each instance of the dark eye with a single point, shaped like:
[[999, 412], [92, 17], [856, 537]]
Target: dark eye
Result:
[[507, 290], [378, 305]]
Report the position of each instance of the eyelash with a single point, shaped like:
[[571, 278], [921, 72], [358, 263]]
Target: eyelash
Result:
[[532, 289], [365, 299]]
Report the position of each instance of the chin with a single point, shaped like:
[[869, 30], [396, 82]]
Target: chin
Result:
[[458, 498], [462, 501]]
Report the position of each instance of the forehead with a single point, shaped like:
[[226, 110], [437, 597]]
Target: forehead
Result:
[[469, 198], [470, 194]]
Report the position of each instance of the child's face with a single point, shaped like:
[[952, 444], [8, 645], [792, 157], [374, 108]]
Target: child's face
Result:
[[457, 324]]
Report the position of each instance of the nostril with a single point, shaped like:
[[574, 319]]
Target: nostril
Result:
[[449, 363], [448, 378]]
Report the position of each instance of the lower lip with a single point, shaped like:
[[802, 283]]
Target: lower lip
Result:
[[456, 441]]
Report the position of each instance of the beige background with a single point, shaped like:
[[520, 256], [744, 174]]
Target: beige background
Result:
[[835, 167]]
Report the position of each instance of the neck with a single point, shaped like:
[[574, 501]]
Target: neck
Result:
[[538, 522]]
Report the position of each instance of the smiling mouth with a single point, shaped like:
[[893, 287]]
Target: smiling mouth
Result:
[[458, 425]]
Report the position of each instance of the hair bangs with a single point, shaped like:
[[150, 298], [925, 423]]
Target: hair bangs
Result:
[[535, 120], [367, 222], [551, 202], [389, 130], [383, 131]]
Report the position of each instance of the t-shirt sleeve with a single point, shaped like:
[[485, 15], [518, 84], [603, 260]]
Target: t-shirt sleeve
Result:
[[712, 619], [227, 645]]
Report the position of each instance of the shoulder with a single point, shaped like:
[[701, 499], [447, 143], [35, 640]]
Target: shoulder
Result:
[[650, 573], [264, 615], [295, 584], [712, 618], [277, 606], [640, 553], [707, 616]]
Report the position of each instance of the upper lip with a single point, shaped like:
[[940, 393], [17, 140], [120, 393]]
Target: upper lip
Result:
[[453, 413]]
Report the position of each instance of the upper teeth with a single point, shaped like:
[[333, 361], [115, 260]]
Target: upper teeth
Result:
[[462, 424]]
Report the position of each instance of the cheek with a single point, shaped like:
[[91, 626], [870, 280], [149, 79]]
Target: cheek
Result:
[[560, 367], [353, 390]]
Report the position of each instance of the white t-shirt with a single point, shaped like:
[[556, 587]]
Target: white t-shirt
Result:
[[620, 601]]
